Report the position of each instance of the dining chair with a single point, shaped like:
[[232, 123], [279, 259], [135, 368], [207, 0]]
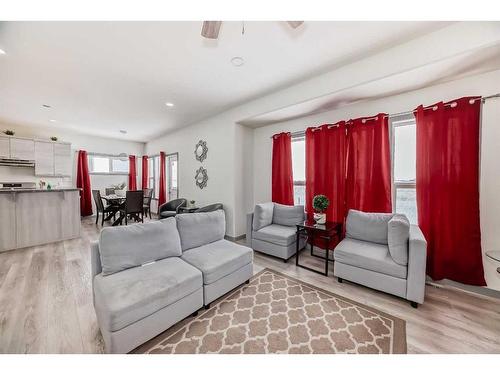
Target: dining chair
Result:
[[99, 205], [109, 191], [133, 206], [148, 196]]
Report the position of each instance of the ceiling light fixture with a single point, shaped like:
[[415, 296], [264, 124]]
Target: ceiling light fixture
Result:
[[237, 61], [53, 120], [2, 52], [46, 106], [168, 104], [123, 131]]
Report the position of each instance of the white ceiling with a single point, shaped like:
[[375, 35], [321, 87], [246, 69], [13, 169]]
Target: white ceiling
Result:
[[100, 77]]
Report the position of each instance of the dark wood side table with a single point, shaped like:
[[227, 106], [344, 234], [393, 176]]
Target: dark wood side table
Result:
[[185, 210], [327, 232]]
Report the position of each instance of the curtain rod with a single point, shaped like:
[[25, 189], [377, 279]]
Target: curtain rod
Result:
[[301, 133]]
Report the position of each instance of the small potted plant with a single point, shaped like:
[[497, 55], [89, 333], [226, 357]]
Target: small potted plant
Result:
[[191, 203], [320, 204], [8, 132], [53, 139], [120, 190]]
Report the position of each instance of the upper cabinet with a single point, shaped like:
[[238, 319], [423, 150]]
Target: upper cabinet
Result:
[[21, 148], [44, 158], [62, 159], [4, 147]]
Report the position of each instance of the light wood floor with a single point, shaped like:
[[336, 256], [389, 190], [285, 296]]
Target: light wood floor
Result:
[[46, 304]]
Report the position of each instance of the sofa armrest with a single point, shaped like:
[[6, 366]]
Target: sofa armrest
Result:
[[95, 259], [417, 260], [249, 228]]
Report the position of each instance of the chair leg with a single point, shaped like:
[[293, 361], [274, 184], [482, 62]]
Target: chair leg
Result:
[[149, 211], [97, 218], [102, 220], [247, 282], [414, 304], [126, 219], [207, 306], [194, 314], [339, 279]]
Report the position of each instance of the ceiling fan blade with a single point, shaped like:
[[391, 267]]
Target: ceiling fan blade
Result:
[[211, 29], [294, 24]]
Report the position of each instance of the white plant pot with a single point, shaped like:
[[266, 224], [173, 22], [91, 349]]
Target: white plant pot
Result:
[[320, 218], [121, 193]]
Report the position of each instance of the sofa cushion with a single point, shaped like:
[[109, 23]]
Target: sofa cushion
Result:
[[367, 226], [218, 259], [130, 246], [197, 229], [277, 234], [165, 214], [288, 215], [398, 233], [263, 215], [368, 255], [126, 297]]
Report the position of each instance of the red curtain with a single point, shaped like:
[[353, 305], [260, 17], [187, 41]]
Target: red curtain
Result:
[[83, 183], [448, 189], [162, 194], [132, 173], [368, 186], [144, 172], [326, 168], [282, 175]]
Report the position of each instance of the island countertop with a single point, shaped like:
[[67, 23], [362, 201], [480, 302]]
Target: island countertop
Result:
[[37, 190]]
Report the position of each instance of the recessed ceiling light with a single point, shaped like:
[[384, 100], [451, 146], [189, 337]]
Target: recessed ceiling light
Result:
[[168, 104], [237, 61], [2, 52], [46, 106], [123, 131], [53, 120]]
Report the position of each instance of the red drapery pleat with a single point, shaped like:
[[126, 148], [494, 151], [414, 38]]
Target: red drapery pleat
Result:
[[368, 185], [132, 173], [162, 194], [144, 184], [326, 168], [448, 189], [83, 183], [282, 175]]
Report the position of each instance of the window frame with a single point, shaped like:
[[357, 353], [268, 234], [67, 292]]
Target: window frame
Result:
[[395, 122], [298, 138], [152, 175], [90, 159]]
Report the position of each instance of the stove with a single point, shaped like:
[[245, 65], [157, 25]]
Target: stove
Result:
[[17, 186]]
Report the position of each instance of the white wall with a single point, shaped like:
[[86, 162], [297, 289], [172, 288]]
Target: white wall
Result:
[[219, 133], [78, 142], [484, 84]]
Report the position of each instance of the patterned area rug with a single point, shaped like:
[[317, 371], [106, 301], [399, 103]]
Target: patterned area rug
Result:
[[278, 314]]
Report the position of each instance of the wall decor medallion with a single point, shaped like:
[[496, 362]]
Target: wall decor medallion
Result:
[[201, 150], [201, 177]]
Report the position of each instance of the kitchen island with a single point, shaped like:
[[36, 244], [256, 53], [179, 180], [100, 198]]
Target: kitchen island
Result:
[[36, 217]]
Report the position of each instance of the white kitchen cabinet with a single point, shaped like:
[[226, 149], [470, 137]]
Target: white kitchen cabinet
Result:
[[8, 238], [21, 148], [62, 159], [44, 158], [4, 147]]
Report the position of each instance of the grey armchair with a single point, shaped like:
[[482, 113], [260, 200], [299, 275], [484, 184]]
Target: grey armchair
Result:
[[171, 208], [383, 252], [271, 229], [210, 208]]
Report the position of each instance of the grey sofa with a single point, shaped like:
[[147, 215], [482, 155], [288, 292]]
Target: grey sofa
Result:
[[383, 252], [271, 229], [147, 277]]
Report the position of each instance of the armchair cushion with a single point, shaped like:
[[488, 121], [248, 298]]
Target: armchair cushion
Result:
[[263, 215], [288, 215], [367, 226], [398, 232], [277, 234], [166, 214], [201, 228], [134, 245], [369, 256]]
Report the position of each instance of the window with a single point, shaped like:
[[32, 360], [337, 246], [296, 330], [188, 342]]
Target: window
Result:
[[404, 167], [299, 170], [172, 175], [105, 164]]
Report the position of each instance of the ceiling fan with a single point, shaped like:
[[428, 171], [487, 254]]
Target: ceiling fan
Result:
[[210, 29]]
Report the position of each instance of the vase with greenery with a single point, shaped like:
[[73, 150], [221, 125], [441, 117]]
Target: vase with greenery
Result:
[[8, 132], [120, 189], [191, 203], [53, 139], [320, 205]]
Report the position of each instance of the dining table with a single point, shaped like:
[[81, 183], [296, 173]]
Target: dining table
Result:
[[114, 200]]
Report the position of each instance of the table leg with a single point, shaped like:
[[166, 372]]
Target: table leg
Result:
[[297, 248], [327, 242]]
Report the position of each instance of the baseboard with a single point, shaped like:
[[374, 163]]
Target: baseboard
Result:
[[235, 239], [470, 289]]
